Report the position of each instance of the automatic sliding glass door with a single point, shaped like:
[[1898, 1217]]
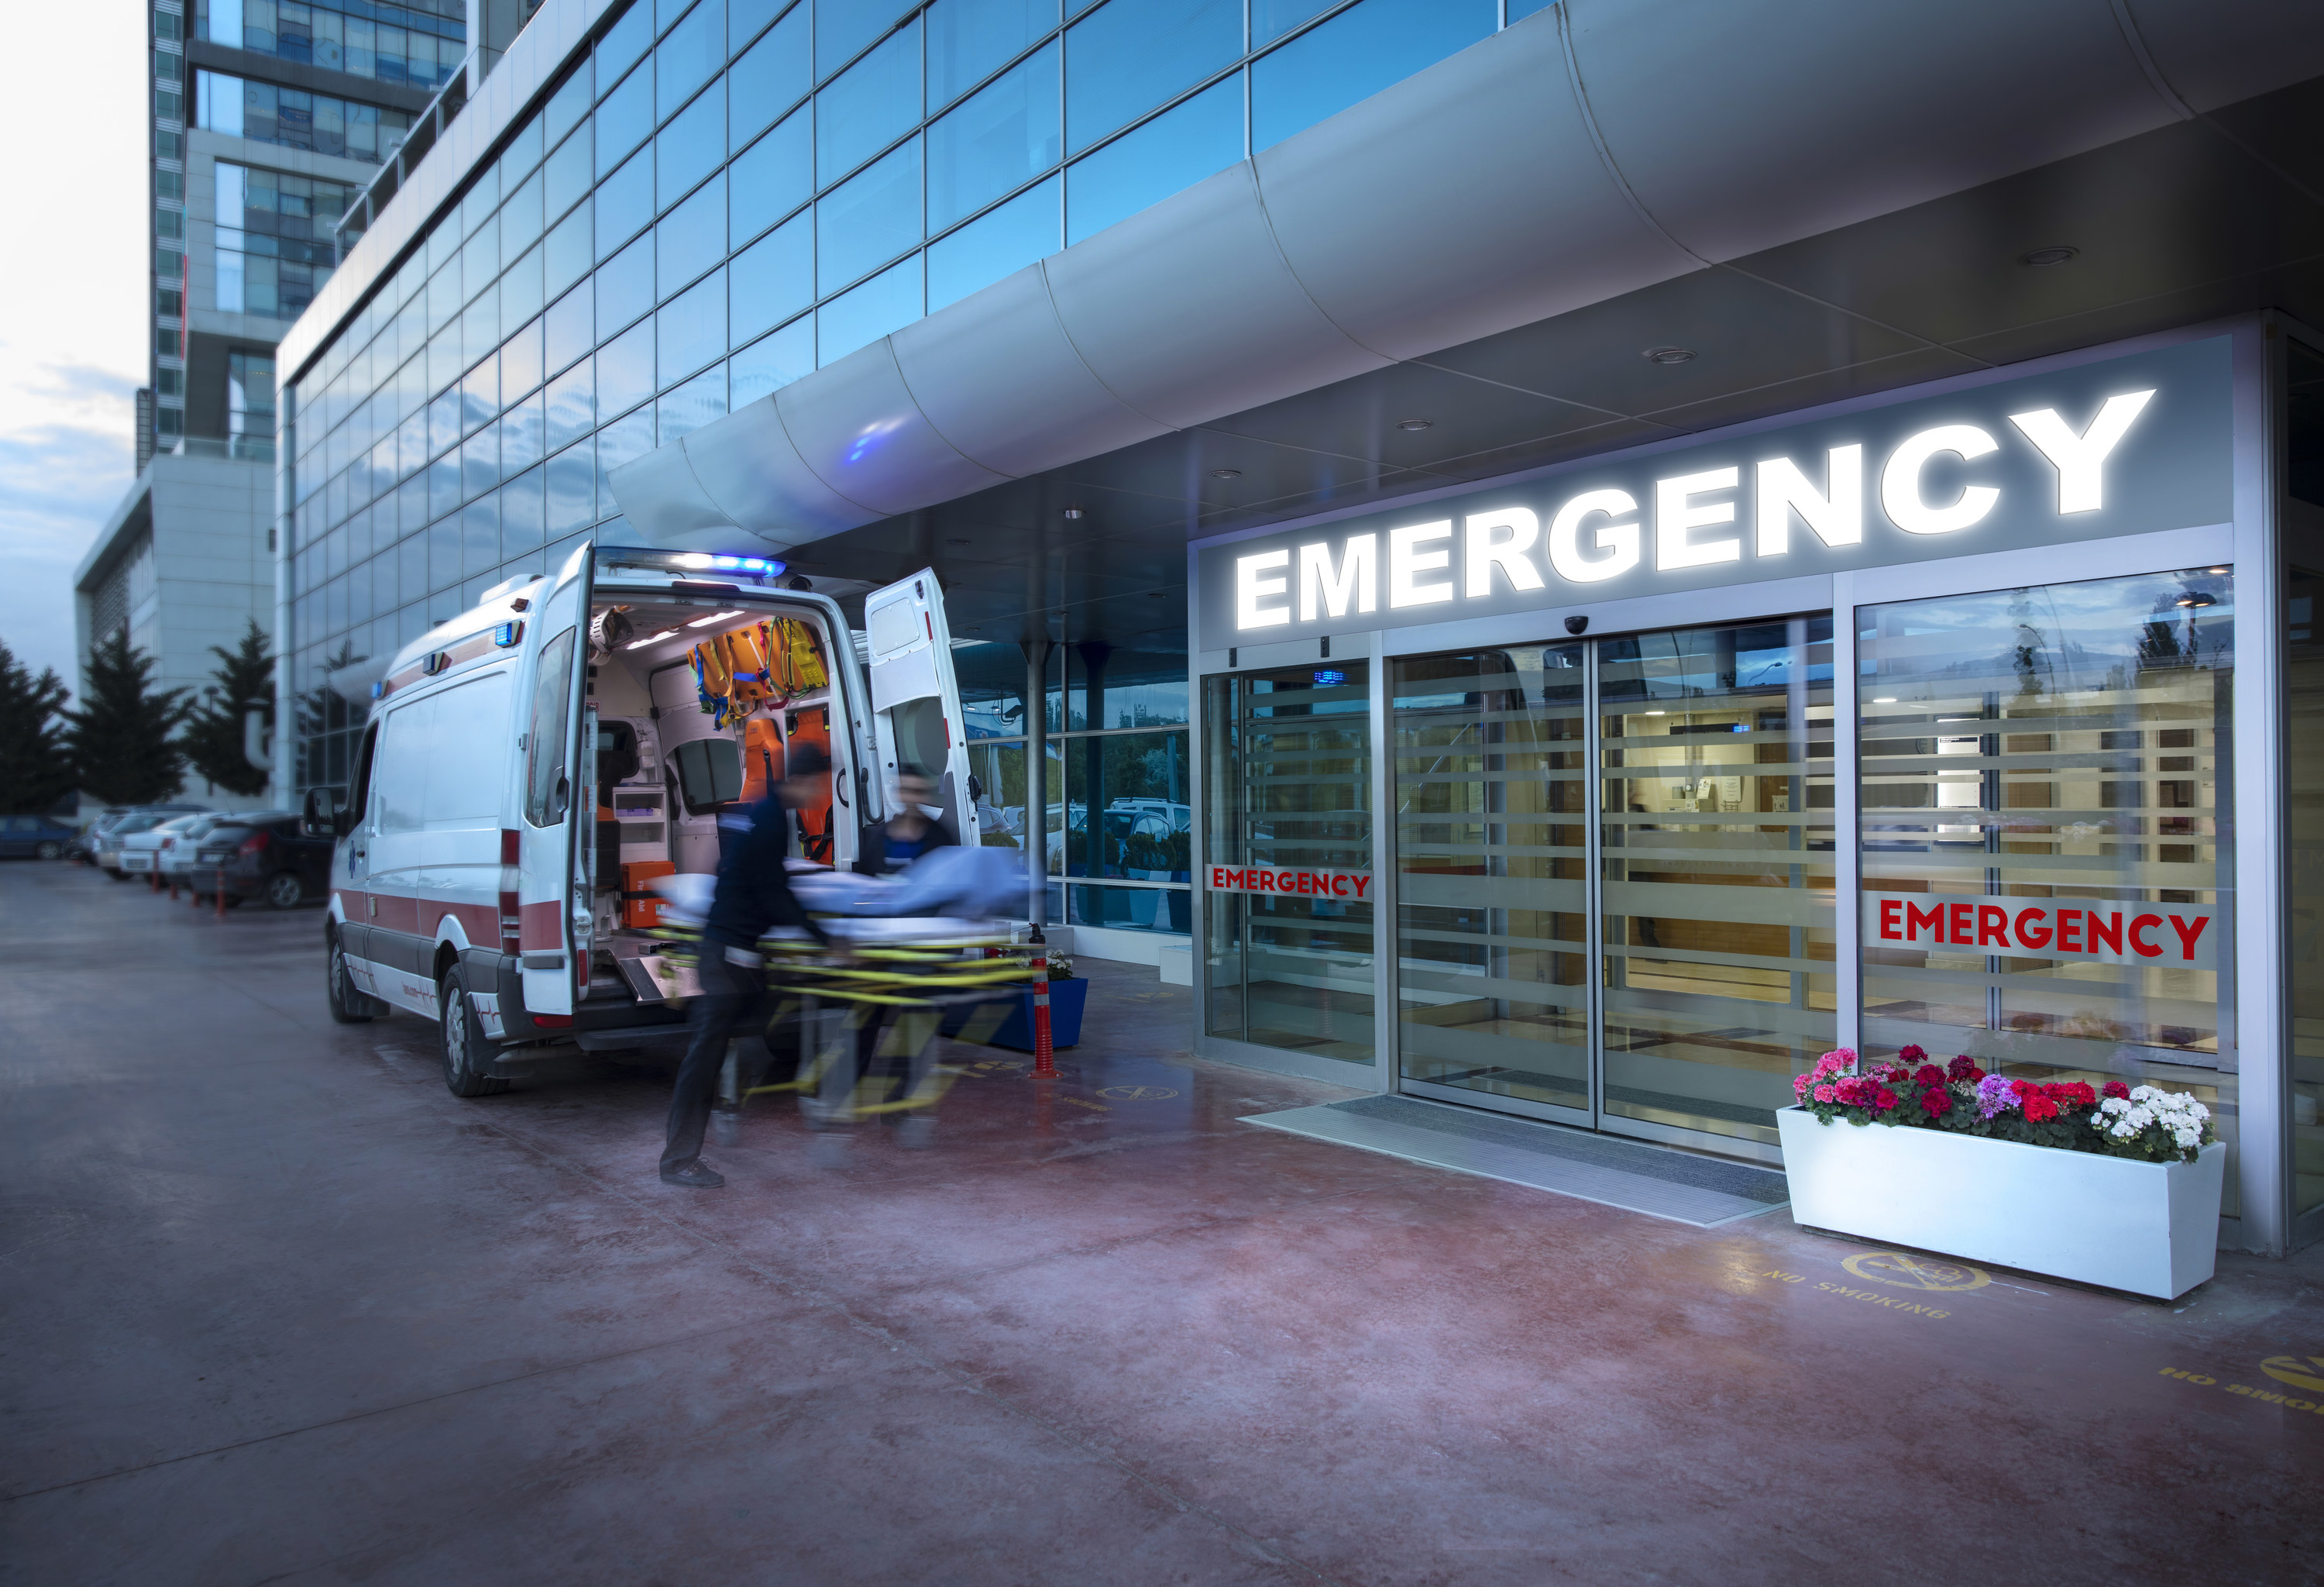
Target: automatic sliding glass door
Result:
[[1615, 877]]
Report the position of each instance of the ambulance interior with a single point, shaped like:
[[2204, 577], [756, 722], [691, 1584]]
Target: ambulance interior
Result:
[[666, 768]]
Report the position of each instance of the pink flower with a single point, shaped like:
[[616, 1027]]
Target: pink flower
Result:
[[1823, 1093], [1883, 1100], [1800, 1084]]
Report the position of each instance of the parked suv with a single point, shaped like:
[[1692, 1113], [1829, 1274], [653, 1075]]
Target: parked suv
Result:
[[38, 838], [263, 854]]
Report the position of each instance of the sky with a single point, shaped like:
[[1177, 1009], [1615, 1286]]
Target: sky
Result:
[[73, 309]]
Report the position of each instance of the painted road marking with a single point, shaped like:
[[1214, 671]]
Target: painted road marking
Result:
[[2265, 1396], [2301, 1374], [1911, 1272], [1843, 1292], [1138, 1094]]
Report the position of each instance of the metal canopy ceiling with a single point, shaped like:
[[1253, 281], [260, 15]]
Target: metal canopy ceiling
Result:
[[2172, 227]]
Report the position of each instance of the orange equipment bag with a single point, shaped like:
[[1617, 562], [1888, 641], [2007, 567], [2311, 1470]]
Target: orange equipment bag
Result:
[[762, 759], [794, 660], [746, 663], [641, 905], [812, 726]]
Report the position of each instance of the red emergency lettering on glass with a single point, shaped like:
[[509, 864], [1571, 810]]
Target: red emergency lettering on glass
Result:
[[2050, 929]]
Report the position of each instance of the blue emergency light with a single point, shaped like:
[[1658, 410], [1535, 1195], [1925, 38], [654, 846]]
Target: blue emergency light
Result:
[[505, 634], [765, 567]]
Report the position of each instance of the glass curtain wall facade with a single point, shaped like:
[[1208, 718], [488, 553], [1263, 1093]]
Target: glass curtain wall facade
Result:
[[420, 43], [1120, 804], [713, 199]]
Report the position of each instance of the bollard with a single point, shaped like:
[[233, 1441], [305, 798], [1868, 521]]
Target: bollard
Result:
[[1045, 1056], [220, 895]]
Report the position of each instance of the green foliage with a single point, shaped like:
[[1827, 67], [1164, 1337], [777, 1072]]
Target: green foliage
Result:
[[36, 766], [120, 740], [213, 738]]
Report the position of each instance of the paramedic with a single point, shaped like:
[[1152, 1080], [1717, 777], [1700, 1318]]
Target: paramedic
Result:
[[752, 897], [891, 846]]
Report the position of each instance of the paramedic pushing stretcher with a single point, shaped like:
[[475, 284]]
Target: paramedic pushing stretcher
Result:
[[753, 895]]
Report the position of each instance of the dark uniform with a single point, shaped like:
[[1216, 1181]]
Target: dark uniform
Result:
[[752, 897]]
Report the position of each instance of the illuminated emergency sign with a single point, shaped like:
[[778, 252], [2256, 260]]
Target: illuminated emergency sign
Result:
[[1293, 881], [2172, 937]]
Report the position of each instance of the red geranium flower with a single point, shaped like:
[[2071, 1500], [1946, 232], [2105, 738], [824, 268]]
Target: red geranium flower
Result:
[[2116, 1088], [1883, 1100], [1936, 1101], [1913, 1053], [1928, 1074], [2071, 1093], [2040, 1108], [1964, 1067]]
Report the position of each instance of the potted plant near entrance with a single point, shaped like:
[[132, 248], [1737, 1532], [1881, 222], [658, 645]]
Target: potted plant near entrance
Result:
[[2118, 1186]]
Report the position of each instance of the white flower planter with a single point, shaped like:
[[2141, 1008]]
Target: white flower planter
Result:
[[2148, 1228]]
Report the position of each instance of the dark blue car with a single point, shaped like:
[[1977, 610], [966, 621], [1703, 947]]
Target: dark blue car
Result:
[[33, 837]]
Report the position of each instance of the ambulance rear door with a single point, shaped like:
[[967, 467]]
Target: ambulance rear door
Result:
[[547, 885], [915, 714]]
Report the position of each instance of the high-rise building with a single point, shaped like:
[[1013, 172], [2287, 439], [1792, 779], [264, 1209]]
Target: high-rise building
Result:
[[268, 118]]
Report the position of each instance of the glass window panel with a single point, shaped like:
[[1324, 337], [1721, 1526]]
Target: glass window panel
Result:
[[2303, 816], [444, 429], [521, 286], [1271, 19], [567, 254], [1130, 55], [969, 40], [1130, 807], [691, 147], [411, 505], [480, 397], [476, 205], [571, 328], [689, 54], [842, 27], [624, 203], [523, 151], [412, 445], [773, 279], [568, 105], [1113, 688], [625, 119], [480, 462], [990, 246], [692, 237], [571, 405], [444, 486], [769, 79], [873, 104], [745, 18], [771, 178], [1287, 764], [2060, 758], [572, 489], [997, 140], [522, 436], [566, 178], [774, 362], [523, 515], [625, 287], [700, 402], [869, 220], [480, 536], [1000, 771], [1354, 56], [480, 329], [1169, 153], [691, 330], [520, 218], [623, 42], [444, 296], [1524, 8], [887, 301], [625, 371], [520, 363]]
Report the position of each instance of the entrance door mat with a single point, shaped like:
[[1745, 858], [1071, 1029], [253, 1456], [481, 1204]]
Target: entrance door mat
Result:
[[1657, 1181]]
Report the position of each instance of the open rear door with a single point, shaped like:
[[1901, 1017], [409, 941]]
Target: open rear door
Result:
[[915, 713], [552, 898]]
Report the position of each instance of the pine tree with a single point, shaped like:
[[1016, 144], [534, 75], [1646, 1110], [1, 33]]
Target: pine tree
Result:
[[122, 750], [35, 767], [213, 736]]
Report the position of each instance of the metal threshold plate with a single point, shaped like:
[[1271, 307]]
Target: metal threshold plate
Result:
[[1657, 1181]]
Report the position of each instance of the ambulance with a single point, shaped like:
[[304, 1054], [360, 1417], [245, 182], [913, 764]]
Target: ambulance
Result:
[[531, 767]]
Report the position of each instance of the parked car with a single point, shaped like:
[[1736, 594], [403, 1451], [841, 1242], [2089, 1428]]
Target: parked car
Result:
[[143, 818], [141, 852], [177, 847], [37, 837], [265, 855], [83, 845]]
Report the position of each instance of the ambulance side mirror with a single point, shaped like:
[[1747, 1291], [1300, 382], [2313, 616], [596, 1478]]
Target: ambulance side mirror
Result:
[[325, 814], [561, 801]]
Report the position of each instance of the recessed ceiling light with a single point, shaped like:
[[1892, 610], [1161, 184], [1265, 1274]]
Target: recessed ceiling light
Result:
[[1415, 424], [1670, 354], [714, 617], [2215, 570], [1658, 713], [2043, 258], [1072, 513], [2196, 599], [1883, 699], [651, 639], [1226, 473]]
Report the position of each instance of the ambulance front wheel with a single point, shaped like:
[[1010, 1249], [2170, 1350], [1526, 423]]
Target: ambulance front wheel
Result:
[[348, 1005]]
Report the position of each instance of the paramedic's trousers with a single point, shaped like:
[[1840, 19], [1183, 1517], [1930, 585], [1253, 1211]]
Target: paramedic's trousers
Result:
[[728, 992]]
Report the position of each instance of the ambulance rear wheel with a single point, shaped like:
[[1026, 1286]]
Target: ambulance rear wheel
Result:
[[460, 1036], [348, 1005]]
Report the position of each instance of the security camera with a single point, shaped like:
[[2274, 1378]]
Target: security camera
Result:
[[1576, 624]]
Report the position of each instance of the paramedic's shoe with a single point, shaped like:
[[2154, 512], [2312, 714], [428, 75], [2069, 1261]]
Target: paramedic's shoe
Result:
[[696, 1173]]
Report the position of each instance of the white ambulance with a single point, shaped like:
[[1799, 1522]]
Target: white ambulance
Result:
[[533, 764]]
